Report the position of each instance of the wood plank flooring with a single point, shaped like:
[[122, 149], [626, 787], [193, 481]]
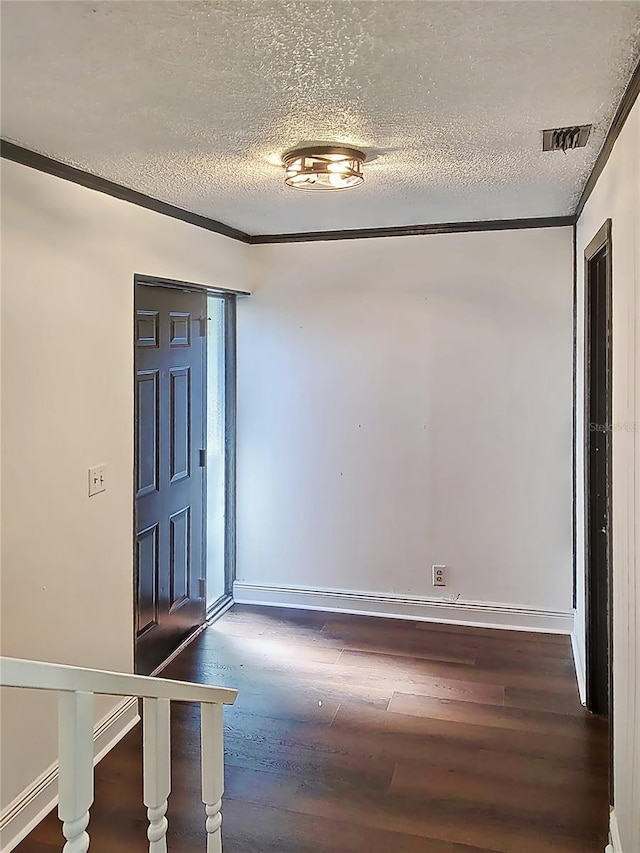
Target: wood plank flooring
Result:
[[364, 735]]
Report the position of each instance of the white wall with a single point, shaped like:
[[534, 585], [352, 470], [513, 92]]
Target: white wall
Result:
[[404, 402], [68, 259], [617, 196]]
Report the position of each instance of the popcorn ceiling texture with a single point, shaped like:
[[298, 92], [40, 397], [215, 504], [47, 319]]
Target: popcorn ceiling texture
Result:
[[194, 102]]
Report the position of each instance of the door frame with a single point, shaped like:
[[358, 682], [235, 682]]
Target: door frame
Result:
[[604, 596], [229, 296]]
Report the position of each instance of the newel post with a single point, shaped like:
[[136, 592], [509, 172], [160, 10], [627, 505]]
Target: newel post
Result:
[[157, 770], [211, 741], [75, 763]]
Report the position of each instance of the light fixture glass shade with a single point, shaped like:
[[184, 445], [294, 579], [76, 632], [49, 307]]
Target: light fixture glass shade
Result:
[[328, 167]]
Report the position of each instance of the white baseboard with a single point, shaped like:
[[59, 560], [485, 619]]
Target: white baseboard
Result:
[[36, 801], [477, 613], [578, 662], [615, 843]]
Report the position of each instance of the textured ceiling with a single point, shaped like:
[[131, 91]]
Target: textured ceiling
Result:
[[193, 102]]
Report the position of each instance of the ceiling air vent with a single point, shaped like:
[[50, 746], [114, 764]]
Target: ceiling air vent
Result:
[[565, 138]]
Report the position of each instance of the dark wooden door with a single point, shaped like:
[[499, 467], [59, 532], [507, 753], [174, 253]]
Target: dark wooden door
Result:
[[598, 471], [169, 477]]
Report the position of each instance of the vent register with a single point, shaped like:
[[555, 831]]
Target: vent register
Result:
[[565, 138]]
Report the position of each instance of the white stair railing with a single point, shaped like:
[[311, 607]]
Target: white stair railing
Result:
[[76, 687]]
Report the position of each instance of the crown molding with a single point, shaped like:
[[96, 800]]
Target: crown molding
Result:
[[622, 113], [416, 230], [26, 157]]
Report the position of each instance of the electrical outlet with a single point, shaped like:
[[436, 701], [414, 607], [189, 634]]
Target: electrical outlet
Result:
[[438, 575]]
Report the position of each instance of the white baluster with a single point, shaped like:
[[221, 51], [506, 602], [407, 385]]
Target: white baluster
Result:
[[211, 740], [75, 762], [157, 770]]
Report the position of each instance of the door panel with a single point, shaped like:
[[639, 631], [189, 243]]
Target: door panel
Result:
[[170, 482], [148, 431], [179, 556], [180, 393], [147, 560]]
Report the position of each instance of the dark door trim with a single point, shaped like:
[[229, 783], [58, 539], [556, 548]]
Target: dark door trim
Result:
[[159, 281], [598, 595]]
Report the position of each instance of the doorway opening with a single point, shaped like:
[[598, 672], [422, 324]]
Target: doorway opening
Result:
[[221, 455], [598, 479], [184, 463]]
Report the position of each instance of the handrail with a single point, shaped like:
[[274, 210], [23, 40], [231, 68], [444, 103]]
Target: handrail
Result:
[[76, 688], [38, 675]]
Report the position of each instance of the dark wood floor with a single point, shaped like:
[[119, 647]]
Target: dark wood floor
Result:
[[362, 735]]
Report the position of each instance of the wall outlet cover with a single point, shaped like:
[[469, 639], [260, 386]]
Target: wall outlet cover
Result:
[[439, 576]]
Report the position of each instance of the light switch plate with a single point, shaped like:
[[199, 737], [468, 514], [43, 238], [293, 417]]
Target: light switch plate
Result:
[[97, 480]]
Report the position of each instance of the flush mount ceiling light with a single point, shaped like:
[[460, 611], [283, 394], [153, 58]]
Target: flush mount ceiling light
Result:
[[323, 167]]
